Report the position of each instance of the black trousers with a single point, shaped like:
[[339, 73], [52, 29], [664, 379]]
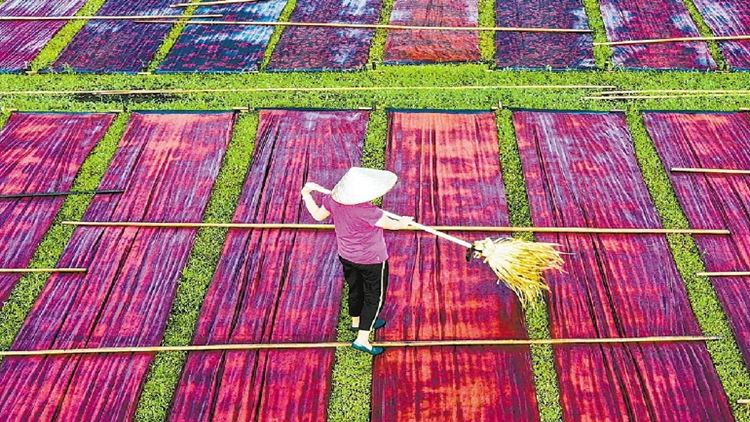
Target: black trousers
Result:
[[367, 286]]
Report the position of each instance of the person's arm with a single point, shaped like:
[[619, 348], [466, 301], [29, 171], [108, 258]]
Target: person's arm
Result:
[[390, 224], [318, 213]]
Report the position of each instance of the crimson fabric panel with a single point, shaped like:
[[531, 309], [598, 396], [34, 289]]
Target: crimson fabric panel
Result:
[[275, 286], [537, 50], [713, 140], [581, 171], [311, 48], [118, 46], [21, 42], [167, 164], [421, 46], [225, 48], [729, 18], [646, 19], [41, 153], [449, 174]]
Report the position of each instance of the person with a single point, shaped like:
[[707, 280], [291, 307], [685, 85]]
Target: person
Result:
[[361, 246]]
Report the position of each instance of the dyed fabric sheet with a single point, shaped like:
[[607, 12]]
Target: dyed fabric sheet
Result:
[[449, 174], [646, 19], [714, 140], [410, 46], [117, 46], [167, 164], [225, 48], [728, 18], [327, 48], [581, 171], [21, 42], [41, 152], [543, 50], [275, 286]]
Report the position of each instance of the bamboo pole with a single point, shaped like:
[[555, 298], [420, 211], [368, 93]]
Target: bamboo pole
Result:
[[331, 345], [743, 401], [46, 194], [676, 91], [304, 89], [102, 18], [724, 274], [491, 229], [212, 3], [41, 270], [670, 40], [378, 26], [661, 97], [708, 170]]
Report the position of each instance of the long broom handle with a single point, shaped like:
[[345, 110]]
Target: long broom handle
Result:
[[431, 230], [267, 346]]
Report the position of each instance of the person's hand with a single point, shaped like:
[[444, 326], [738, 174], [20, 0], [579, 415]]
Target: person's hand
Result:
[[309, 187]]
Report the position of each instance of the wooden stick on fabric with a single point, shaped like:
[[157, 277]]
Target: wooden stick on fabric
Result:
[[435, 343], [708, 170], [102, 18], [378, 26], [212, 3], [724, 274], [679, 39], [41, 270], [45, 194], [490, 229]]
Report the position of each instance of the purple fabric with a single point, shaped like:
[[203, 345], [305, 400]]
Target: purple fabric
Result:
[[41, 152], [357, 237], [118, 46], [20, 42], [727, 18], [646, 19], [327, 48], [543, 50], [225, 48], [581, 171], [167, 164], [714, 140]]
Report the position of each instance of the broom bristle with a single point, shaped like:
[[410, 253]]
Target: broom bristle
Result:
[[519, 264]]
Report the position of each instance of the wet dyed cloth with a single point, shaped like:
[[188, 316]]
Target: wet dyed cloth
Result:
[[275, 286], [527, 50], [647, 19], [41, 153], [728, 18], [167, 164], [420, 46], [118, 46], [713, 140], [225, 48], [310, 48], [581, 171], [449, 174], [21, 42]]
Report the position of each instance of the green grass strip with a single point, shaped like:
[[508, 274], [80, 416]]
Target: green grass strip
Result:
[[725, 353], [165, 371], [377, 51], [705, 31], [487, 38], [50, 249], [602, 53], [537, 319], [171, 38], [286, 14]]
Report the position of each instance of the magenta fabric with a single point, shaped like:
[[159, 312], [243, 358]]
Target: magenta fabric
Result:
[[537, 50], [41, 153], [581, 171], [729, 18], [21, 42], [646, 19], [420, 46], [118, 46], [275, 286], [314, 49], [167, 164], [449, 174], [359, 240], [713, 140]]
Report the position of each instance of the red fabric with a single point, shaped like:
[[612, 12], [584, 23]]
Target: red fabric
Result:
[[275, 286], [714, 140], [581, 170], [41, 152], [167, 164], [449, 175], [421, 46]]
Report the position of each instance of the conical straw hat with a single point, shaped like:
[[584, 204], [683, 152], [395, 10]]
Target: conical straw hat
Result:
[[360, 185]]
